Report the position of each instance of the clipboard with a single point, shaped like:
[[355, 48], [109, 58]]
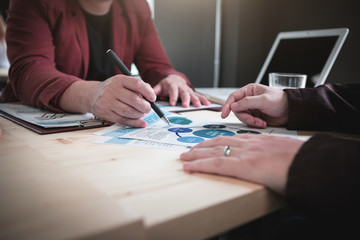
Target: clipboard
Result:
[[78, 125]]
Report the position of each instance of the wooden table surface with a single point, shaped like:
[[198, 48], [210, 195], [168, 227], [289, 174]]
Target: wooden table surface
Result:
[[63, 185]]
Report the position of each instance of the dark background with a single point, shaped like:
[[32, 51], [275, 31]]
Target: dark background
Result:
[[249, 28], [4, 5]]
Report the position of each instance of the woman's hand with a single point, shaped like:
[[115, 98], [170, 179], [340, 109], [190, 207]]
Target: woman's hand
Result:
[[175, 87], [260, 158]]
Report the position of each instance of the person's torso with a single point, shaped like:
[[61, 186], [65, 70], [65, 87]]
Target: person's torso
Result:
[[71, 36]]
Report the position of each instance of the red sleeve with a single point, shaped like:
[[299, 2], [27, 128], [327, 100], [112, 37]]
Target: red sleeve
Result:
[[34, 79]]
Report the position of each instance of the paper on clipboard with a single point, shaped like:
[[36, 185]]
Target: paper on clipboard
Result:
[[45, 118], [44, 121]]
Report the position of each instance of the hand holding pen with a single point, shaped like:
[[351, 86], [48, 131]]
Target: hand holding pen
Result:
[[118, 99], [121, 66]]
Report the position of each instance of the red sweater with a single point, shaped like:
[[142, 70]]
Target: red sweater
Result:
[[48, 47]]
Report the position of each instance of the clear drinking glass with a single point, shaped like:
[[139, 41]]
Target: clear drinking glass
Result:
[[287, 80]]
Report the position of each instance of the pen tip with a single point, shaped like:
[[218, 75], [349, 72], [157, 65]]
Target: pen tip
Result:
[[166, 120]]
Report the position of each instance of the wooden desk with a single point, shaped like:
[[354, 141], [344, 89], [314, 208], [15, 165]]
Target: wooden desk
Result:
[[65, 186]]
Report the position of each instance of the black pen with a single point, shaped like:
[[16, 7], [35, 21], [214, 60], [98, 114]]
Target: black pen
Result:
[[121, 66]]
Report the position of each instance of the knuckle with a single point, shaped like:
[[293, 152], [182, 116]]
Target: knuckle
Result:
[[100, 112], [138, 83], [218, 149], [222, 139], [245, 100], [148, 85], [135, 99], [125, 111], [117, 80], [217, 141], [121, 120], [131, 113]]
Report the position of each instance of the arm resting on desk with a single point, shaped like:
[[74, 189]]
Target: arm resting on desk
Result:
[[323, 180]]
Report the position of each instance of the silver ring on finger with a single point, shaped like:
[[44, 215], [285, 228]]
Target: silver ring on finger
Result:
[[227, 150]]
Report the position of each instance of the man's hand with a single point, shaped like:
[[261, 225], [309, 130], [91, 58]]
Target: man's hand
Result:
[[119, 99], [258, 106]]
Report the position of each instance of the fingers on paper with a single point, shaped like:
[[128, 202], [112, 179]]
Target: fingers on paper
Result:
[[173, 94], [195, 100], [203, 99], [157, 89]]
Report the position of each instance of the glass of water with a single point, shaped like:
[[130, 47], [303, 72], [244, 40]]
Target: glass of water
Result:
[[287, 80]]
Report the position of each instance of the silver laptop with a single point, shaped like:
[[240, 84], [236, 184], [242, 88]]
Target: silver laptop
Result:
[[310, 52]]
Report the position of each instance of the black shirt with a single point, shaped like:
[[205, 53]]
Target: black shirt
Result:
[[99, 30], [4, 6]]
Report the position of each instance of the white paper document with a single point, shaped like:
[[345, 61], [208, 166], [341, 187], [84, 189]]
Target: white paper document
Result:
[[165, 106], [216, 95], [183, 133]]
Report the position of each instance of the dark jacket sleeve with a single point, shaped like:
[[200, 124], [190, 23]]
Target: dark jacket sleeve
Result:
[[324, 178], [330, 107]]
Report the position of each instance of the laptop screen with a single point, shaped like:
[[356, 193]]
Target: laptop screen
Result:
[[311, 52], [302, 55]]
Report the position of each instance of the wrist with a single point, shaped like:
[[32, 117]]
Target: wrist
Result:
[[78, 96]]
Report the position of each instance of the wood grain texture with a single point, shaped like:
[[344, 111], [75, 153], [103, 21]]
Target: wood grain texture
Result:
[[73, 187]]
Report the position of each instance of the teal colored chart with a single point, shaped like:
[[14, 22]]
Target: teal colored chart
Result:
[[213, 133], [190, 139], [180, 120], [210, 131]]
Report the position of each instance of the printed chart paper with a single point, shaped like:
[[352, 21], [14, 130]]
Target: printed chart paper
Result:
[[183, 133], [189, 132]]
